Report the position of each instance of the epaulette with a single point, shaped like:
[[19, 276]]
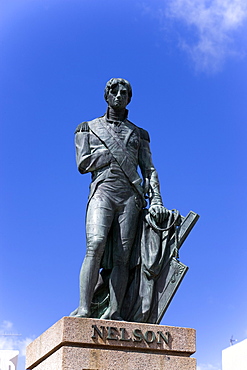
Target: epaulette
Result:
[[82, 127], [144, 134]]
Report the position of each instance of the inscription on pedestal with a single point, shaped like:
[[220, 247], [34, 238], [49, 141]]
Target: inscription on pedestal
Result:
[[136, 335]]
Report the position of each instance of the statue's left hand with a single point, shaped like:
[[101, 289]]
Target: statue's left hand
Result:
[[159, 213]]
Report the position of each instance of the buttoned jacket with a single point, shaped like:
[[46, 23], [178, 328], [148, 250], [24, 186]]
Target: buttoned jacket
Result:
[[93, 156]]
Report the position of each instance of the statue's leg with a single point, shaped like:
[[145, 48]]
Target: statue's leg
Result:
[[125, 230], [98, 222]]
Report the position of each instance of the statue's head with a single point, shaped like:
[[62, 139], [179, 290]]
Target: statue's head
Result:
[[118, 86]]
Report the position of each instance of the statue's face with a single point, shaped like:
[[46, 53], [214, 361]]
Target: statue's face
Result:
[[118, 97]]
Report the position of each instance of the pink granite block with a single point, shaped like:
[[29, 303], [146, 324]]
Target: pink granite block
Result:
[[79, 343]]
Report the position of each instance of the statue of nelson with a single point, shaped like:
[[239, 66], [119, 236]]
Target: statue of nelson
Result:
[[112, 148]]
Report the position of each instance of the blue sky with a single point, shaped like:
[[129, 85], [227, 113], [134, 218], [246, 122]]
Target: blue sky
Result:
[[186, 61]]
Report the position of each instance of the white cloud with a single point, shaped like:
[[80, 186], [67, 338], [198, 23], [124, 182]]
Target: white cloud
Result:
[[15, 343], [213, 29], [207, 367], [12, 342], [6, 325]]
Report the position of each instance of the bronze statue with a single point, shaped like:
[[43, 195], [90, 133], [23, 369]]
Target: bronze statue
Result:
[[112, 148]]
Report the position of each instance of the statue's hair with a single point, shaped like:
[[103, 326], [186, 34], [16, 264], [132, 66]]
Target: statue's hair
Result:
[[115, 81]]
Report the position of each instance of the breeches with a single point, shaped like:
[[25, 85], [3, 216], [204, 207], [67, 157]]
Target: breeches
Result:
[[115, 213]]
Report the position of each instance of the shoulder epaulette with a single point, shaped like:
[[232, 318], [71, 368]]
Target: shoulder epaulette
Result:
[[144, 134], [82, 127]]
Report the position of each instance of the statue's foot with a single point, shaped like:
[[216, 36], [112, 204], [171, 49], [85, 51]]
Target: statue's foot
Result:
[[116, 316], [73, 313], [80, 312], [108, 315]]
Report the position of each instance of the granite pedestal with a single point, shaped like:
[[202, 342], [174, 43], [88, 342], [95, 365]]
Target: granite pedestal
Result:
[[93, 344]]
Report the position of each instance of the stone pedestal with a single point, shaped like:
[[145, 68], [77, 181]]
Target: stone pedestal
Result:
[[93, 344]]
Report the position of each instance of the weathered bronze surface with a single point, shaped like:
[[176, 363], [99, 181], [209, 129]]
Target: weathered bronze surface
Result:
[[131, 269]]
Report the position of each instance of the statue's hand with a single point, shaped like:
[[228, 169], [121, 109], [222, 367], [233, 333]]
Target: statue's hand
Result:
[[158, 212]]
